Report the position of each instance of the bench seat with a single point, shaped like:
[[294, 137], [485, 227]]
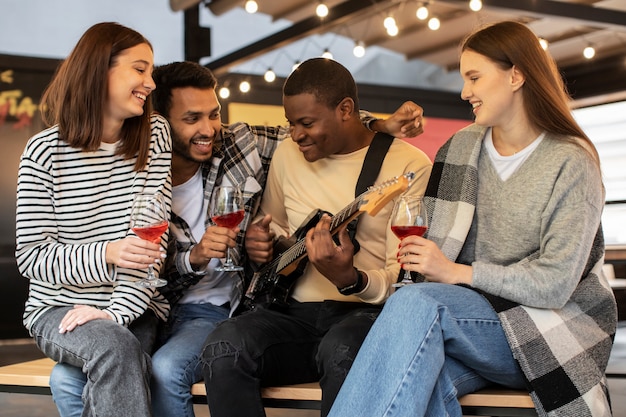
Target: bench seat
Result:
[[32, 377]]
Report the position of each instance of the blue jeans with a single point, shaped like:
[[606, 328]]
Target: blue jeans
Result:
[[117, 368], [175, 365], [431, 343]]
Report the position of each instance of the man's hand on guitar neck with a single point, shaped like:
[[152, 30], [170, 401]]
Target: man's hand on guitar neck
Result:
[[259, 241], [332, 260]]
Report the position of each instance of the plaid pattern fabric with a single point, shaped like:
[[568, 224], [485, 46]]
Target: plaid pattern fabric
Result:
[[563, 353], [242, 157]]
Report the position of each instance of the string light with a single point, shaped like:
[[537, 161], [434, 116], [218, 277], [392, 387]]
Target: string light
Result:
[[224, 92], [422, 12], [391, 26], [434, 23], [295, 66], [321, 10], [244, 86], [475, 5], [359, 50], [544, 44], [389, 22], [589, 52], [269, 75], [251, 6], [327, 54]]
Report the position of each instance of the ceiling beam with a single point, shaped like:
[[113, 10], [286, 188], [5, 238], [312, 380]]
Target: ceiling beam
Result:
[[337, 15]]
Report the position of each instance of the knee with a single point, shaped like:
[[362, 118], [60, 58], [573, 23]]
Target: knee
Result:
[[221, 352]]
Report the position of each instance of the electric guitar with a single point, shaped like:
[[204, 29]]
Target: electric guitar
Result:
[[271, 285]]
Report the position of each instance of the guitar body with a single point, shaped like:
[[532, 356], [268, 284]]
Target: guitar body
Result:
[[271, 285], [271, 288]]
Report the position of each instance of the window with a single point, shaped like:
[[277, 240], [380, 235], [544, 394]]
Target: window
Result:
[[606, 127]]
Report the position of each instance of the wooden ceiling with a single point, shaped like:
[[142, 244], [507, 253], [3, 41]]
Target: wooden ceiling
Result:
[[568, 26]]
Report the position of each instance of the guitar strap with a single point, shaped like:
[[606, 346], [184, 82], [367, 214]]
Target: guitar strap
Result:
[[369, 172], [373, 161]]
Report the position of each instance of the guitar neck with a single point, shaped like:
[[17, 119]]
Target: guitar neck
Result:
[[299, 248]]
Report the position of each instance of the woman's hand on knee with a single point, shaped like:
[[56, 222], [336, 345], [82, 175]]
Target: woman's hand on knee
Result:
[[80, 315]]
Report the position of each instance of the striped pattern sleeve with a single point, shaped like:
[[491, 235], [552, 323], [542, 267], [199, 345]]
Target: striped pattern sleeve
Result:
[[70, 203]]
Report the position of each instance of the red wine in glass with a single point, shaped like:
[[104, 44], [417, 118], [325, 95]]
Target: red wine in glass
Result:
[[230, 220], [151, 233], [404, 231], [227, 210], [149, 220], [408, 218]]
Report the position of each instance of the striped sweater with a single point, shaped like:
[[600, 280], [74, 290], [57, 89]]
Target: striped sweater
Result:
[[70, 204]]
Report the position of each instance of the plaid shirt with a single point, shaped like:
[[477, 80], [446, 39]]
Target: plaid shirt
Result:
[[242, 157]]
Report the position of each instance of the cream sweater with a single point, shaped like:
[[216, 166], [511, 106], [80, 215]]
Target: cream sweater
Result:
[[296, 187]]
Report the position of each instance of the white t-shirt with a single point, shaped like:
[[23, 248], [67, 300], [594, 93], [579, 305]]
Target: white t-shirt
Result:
[[188, 202], [506, 165]]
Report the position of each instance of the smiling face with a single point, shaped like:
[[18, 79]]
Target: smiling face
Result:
[[196, 121], [490, 89], [130, 82], [314, 127]]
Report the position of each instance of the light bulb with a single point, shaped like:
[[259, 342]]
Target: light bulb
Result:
[[224, 92], [392, 30], [589, 52], [422, 13], [475, 5], [321, 10], [543, 43], [389, 22], [327, 54], [359, 50], [295, 66], [244, 87], [434, 23], [251, 6], [269, 76]]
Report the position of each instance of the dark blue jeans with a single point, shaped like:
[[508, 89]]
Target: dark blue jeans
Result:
[[308, 342]]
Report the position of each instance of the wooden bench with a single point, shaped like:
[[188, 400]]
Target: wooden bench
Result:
[[33, 377]]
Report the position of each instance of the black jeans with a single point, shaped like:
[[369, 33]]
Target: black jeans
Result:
[[308, 342]]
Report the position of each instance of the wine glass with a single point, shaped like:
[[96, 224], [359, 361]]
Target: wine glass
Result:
[[149, 220], [226, 210], [408, 218]]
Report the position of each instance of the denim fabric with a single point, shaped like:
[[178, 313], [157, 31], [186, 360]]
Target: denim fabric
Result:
[[175, 365], [111, 356], [307, 342], [431, 343]]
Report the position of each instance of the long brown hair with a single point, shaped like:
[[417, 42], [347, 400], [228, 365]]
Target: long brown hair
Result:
[[546, 100], [77, 95]]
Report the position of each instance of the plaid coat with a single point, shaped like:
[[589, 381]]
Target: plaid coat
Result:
[[563, 353]]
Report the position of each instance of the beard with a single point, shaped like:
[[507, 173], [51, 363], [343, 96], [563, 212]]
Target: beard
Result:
[[182, 148]]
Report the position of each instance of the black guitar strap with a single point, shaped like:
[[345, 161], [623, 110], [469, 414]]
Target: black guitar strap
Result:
[[369, 172], [373, 161]]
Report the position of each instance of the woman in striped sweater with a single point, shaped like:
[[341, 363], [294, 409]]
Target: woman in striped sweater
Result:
[[75, 186]]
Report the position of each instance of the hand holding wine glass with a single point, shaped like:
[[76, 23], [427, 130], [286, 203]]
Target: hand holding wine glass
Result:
[[227, 210], [149, 220], [408, 218]]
